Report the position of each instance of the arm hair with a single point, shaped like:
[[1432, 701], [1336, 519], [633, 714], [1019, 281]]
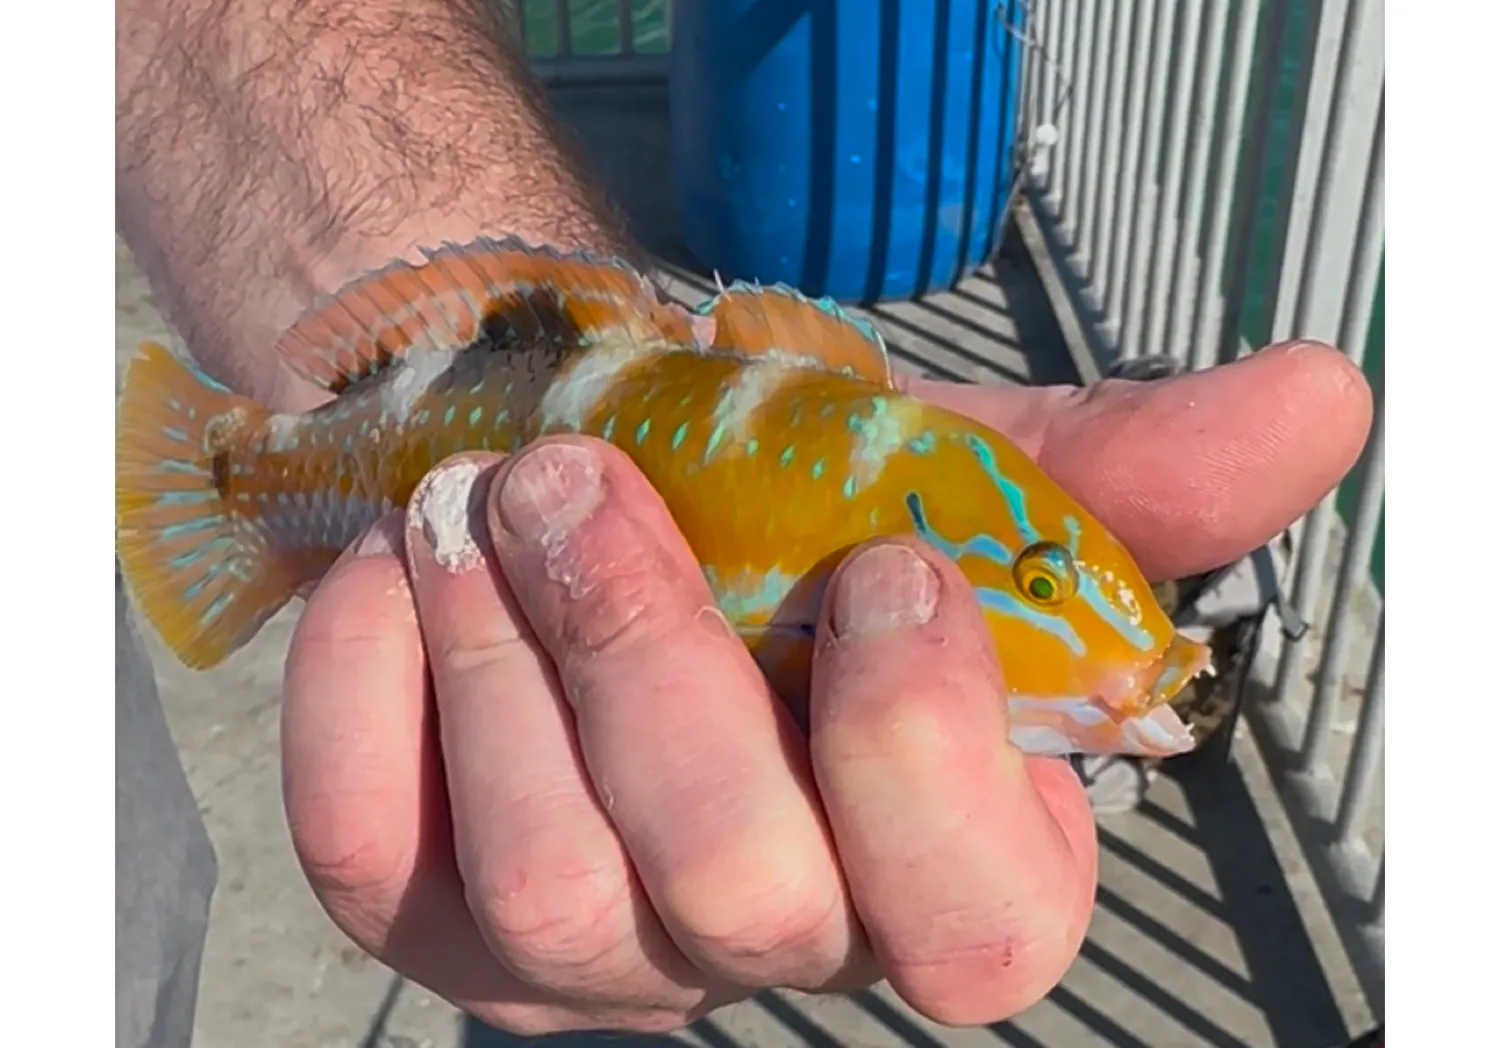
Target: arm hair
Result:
[[269, 151]]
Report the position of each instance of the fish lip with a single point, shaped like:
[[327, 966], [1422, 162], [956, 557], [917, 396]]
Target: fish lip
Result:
[[1159, 733], [1180, 661], [1087, 725]]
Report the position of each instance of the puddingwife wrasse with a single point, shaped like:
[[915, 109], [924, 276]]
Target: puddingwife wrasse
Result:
[[769, 423]]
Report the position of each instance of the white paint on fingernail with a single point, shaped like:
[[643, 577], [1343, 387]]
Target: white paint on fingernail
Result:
[[445, 510]]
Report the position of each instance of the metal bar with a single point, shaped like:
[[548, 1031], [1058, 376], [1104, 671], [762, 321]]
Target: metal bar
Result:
[[564, 22], [1166, 246], [1369, 249], [1236, 293], [603, 70], [1069, 118], [1114, 308], [1206, 318], [1334, 144], [1048, 60], [1358, 547], [512, 21], [1029, 37], [1369, 745], [1377, 895], [1259, 159], [1186, 257], [1312, 542], [1149, 198], [1331, 60], [1113, 143], [1093, 149], [627, 27]]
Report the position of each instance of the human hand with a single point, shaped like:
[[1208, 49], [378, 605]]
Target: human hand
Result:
[[599, 817]]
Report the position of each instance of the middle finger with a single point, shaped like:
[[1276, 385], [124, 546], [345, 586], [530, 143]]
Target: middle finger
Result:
[[700, 769], [543, 872]]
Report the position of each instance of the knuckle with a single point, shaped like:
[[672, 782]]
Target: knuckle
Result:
[[493, 660], [338, 857], [528, 1020], [356, 878], [623, 605], [778, 928], [574, 921], [532, 1020]]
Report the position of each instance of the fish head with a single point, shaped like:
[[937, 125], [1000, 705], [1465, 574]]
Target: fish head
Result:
[[1090, 659]]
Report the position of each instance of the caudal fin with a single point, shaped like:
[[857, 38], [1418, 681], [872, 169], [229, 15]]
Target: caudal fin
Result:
[[201, 569]]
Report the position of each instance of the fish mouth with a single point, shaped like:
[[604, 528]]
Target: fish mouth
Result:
[[1159, 683], [1159, 733], [1057, 727]]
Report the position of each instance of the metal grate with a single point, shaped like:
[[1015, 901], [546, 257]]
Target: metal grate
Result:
[[1209, 177]]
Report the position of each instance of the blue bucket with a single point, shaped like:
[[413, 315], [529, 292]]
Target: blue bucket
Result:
[[861, 149]]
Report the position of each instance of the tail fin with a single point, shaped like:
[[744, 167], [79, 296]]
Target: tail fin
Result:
[[201, 570]]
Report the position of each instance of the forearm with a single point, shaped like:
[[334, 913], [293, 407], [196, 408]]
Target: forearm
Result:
[[268, 151]]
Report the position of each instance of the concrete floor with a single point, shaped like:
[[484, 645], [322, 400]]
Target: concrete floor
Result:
[[1208, 929]]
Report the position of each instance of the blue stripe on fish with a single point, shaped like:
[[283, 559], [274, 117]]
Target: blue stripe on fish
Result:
[[1015, 498], [186, 498], [996, 600], [179, 466]]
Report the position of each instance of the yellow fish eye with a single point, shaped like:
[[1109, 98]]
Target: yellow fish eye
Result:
[[1045, 574]]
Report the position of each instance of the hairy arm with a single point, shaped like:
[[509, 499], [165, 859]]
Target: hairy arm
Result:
[[268, 151]]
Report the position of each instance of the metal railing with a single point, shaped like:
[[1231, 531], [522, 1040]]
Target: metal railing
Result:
[[595, 41], [1207, 177]]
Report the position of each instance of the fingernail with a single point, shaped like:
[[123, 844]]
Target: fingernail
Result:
[[549, 491], [450, 514], [383, 538], [883, 589], [1302, 345]]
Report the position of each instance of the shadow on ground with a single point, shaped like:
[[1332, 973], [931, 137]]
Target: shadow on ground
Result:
[[1143, 979]]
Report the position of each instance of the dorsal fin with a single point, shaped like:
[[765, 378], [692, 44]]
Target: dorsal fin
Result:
[[510, 290], [781, 321]]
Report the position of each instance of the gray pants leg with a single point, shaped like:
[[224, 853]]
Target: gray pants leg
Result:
[[165, 867]]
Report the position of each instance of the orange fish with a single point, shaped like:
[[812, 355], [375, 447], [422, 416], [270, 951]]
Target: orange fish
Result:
[[769, 423]]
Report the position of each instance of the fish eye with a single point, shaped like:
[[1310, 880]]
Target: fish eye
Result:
[[1045, 573]]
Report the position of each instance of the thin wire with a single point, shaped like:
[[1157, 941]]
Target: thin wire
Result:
[[1032, 42]]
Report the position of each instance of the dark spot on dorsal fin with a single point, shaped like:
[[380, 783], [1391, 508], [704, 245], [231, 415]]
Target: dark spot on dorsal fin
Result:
[[444, 304], [220, 467]]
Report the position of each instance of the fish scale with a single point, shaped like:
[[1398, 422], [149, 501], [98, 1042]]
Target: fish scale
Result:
[[769, 423]]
